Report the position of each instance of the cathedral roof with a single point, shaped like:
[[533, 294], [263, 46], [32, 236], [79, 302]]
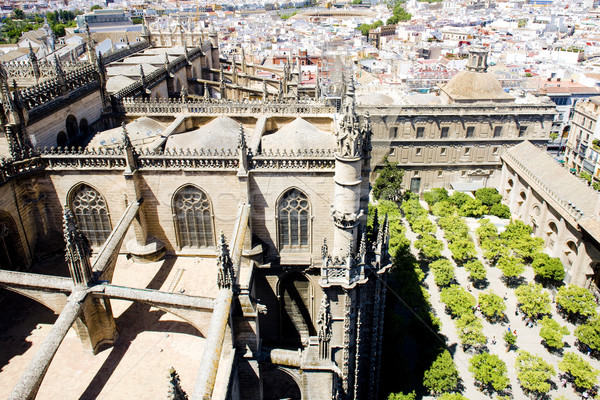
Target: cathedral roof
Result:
[[374, 99], [475, 86], [143, 132], [220, 133], [298, 134]]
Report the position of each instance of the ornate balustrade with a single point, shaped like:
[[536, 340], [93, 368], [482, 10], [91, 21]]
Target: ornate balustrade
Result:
[[119, 54], [171, 106], [23, 72], [41, 93], [197, 159], [10, 169], [155, 77]]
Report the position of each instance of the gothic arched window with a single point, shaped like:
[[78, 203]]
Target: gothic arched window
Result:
[[293, 214], [91, 213], [193, 218]]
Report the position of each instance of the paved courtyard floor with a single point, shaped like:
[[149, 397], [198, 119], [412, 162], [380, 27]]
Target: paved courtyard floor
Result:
[[527, 338]]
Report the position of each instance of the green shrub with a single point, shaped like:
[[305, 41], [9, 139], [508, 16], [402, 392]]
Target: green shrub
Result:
[[435, 195], [500, 210], [488, 196]]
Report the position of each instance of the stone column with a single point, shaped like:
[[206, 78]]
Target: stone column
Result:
[[346, 204]]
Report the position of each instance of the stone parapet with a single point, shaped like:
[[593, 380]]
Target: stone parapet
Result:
[[132, 106]]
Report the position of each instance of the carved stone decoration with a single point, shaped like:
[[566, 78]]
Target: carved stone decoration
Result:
[[324, 249], [350, 132], [226, 274], [175, 390], [34, 64], [324, 323], [77, 250]]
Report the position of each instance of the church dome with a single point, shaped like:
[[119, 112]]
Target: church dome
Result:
[[478, 86], [475, 83]]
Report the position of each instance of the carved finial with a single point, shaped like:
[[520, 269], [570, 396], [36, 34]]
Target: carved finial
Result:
[[77, 250], [142, 75], [32, 55], [175, 390], [242, 139], [183, 94], [265, 91], [206, 92], [226, 275], [126, 139], [324, 249], [324, 324], [362, 250]]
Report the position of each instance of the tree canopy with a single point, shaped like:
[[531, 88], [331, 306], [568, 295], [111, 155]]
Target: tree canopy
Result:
[[576, 302], [584, 375], [552, 333], [492, 306], [547, 268], [533, 373], [388, 184], [442, 376], [589, 334], [470, 330], [488, 196], [489, 371], [429, 246], [435, 195], [458, 300], [477, 271], [443, 272], [534, 301]]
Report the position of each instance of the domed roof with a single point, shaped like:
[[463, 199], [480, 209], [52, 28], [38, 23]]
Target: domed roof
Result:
[[220, 133], [475, 86], [298, 134]]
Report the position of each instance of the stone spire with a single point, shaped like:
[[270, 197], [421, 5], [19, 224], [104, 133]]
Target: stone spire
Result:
[[206, 92], [129, 150], [183, 94], [167, 64], [222, 85], [244, 67], [60, 75], [91, 48], [243, 153], [186, 53], [234, 71], [318, 89], [127, 40], [324, 324], [175, 390], [143, 82], [226, 275], [77, 253], [34, 63], [265, 91], [145, 31], [280, 91], [102, 77]]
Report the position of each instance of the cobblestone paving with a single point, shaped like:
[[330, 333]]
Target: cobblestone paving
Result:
[[527, 338]]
